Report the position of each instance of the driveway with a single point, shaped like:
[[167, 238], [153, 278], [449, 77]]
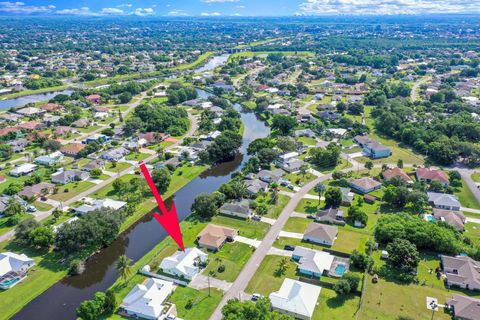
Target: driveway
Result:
[[279, 252], [472, 220], [294, 235], [268, 220], [251, 242], [200, 282]]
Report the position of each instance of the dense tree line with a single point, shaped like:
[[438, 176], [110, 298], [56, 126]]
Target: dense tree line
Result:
[[158, 118]]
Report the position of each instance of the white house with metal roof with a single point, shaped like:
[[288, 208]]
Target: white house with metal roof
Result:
[[184, 264]]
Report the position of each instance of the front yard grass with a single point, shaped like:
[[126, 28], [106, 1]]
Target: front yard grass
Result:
[[117, 167], [333, 307], [265, 280], [70, 190], [137, 156], [466, 197], [274, 210], [233, 256], [203, 304], [42, 206], [250, 229]]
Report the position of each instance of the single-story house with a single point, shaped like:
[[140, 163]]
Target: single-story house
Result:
[[312, 262], [153, 137], [67, 176], [72, 149], [320, 233], [115, 154], [337, 132], [296, 298], [23, 169], [213, 237], [463, 307], [13, 268], [29, 111], [454, 218], [429, 175], [37, 190], [255, 186], [30, 125], [443, 201], [184, 264], [330, 215], [461, 271], [239, 208], [292, 165], [18, 145], [305, 133], [100, 204], [48, 160], [362, 140], [376, 150], [81, 123], [52, 107], [347, 196], [146, 300], [5, 199], [365, 184], [94, 98], [94, 164], [329, 115], [101, 138], [396, 173], [270, 176]]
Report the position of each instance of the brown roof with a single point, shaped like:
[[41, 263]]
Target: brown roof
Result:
[[72, 148], [52, 107], [454, 218], [432, 174], [214, 236], [4, 131], [36, 189], [62, 130], [29, 125], [396, 172], [467, 308], [366, 183], [321, 231]]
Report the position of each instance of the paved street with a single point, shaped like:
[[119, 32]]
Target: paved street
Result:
[[256, 259]]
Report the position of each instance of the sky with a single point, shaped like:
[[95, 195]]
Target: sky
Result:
[[217, 8]]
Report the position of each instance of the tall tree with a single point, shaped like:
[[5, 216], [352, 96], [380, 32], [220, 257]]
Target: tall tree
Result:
[[124, 267]]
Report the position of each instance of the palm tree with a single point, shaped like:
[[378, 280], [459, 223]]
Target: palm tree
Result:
[[319, 189], [124, 267]]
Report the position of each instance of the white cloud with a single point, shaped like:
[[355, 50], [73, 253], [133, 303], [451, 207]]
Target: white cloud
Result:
[[83, 11], [210, 14], [142, 12], [388, 7], [219, 1], [21, 8], [240, 7], [177, 13], [111, 11], [125, 5]]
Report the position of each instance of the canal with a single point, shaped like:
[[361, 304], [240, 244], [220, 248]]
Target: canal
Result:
[[33, 98], [61, 300]]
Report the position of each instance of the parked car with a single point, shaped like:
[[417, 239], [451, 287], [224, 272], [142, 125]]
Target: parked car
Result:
[[31, 209], [256, 296], [256, 218], [289, 247], [291, 187]]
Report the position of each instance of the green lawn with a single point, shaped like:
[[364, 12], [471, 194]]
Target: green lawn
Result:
[[466, 197], [265, 281], [476, 177], [70, 190], [333, 307], [295, 224], [309, 206], [137, 156], [297, 178], [117, 167], [274, 210], [389, 298], [307, 141], [203, 304], [250, 229], [40, 277], [472, 230], [233, 256], [5, 227], [42, 206]]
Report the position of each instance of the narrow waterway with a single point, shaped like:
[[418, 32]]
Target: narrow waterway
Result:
[[33, 98], [213, 63], [61, 300]]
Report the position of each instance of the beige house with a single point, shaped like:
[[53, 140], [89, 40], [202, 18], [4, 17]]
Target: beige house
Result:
[[213, 237]]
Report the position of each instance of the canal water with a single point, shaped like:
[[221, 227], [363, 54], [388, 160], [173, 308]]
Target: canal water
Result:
[[61, 300], [213, 63], [33, 98]]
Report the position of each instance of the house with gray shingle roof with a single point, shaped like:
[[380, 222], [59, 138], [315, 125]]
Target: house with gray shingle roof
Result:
[[443, 201], [320, 233], [463, 307], [461, 271], [239, 208]]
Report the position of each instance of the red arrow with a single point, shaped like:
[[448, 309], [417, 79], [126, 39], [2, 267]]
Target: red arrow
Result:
[[169, 220]]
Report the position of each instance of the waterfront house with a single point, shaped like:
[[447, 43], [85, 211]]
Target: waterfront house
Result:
[[213, 237], [13, 268], [237, 208], [184, 264]]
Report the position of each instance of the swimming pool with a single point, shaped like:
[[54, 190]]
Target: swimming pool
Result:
[[340, 269], [9, 283], [430, 218]]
